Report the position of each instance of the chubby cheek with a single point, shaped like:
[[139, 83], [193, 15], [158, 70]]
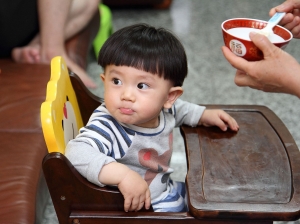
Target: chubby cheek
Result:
[[150, 108], [110, 98]]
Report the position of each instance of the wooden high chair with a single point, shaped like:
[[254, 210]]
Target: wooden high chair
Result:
[[252, 176]]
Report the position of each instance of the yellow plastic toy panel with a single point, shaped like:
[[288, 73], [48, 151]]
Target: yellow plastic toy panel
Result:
[[60, 114]]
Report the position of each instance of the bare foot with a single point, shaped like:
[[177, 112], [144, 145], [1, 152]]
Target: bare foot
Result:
[[31, 54], [26, 54], [88, 82]]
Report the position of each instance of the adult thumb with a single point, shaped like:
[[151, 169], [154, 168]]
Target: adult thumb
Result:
[[262, 42]]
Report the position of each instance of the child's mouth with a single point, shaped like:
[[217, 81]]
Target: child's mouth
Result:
[[126, 111]]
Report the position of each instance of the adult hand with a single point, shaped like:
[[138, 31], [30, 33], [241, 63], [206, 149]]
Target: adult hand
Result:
[[291, 20], [276, 72]]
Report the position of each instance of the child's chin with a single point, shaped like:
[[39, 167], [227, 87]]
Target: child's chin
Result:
[[126, 121]]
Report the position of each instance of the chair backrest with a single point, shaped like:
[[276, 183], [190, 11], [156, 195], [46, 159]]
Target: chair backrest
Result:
[[60, 114], [67, 107]]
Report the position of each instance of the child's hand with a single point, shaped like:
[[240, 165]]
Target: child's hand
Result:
[[218, 118], [135, 191]]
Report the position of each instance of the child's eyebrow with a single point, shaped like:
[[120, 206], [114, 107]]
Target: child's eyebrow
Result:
[[113, 71], [140, 74], [147, 77]]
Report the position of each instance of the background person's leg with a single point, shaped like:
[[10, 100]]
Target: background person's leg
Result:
[[59, 20]]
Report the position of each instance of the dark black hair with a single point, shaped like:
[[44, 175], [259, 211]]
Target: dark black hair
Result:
[[146, 48]]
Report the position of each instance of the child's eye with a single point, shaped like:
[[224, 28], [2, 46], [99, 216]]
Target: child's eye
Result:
[[117, 81], [142, 86]]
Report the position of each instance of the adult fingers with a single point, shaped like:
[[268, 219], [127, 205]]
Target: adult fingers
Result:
[[296, 28], [243, 79], [286, 6], [290, 23], [288, 18], [236, 61], [263, 43]]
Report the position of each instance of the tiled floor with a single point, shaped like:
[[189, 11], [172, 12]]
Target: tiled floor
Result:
[[210, 78]]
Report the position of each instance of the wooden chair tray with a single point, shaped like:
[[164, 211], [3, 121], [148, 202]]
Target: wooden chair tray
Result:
[[249, 174]]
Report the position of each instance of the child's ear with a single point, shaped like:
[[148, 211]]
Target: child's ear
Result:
[[173, 95], [102, 76]]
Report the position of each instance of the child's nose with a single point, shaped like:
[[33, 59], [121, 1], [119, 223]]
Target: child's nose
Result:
[[128, 94]]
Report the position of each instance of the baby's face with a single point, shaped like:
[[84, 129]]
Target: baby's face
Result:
[[134, 96]]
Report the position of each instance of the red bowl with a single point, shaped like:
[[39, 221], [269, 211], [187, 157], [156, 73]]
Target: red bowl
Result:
[[245, 48]]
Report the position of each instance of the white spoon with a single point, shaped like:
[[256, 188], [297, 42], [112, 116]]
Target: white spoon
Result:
[[268, 29]]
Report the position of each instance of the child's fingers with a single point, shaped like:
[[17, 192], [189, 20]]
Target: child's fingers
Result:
[[140, 206], [233, 125], [148, 200], [127, 204], [221, 124], [135, 203], [230, 121], [218, 118], [144, 200], [141, 202]]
